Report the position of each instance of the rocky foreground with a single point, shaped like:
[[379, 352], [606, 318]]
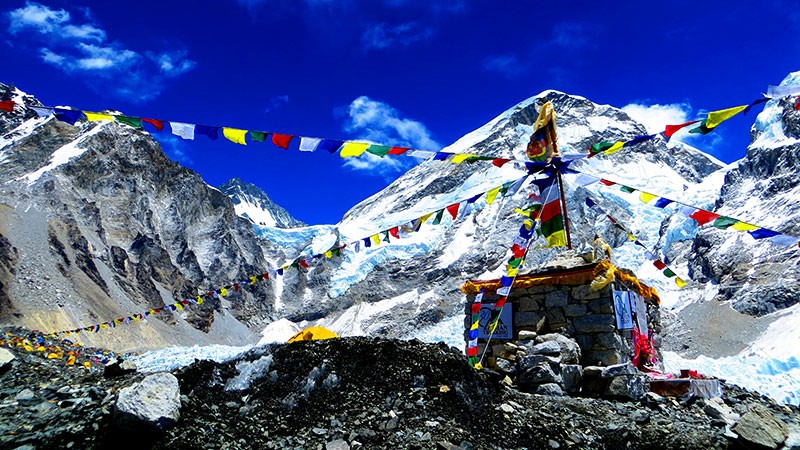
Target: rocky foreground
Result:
[[351, 393]]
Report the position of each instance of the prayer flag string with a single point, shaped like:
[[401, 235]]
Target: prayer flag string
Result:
[[384, 236], [659, 264], [699, 215]]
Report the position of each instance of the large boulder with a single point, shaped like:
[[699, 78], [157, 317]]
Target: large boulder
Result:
[[5, 359], [761, 429], [627, 387], [570, 350], [151, 405]]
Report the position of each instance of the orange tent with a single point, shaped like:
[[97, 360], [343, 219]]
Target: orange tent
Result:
[[313, 334]]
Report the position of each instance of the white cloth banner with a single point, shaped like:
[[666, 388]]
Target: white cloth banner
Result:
[[184, 130], [308, 144], [622, 310]]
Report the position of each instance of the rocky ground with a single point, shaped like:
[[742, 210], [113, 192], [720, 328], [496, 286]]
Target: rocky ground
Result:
[[346, 394]]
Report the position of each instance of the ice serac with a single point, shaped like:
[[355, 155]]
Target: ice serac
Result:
[[252, 203], [97, 223]]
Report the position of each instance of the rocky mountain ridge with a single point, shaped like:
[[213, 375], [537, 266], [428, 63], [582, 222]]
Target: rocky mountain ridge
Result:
[[252, 203]]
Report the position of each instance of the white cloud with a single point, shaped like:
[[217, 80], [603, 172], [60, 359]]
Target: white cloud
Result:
[[36, 17], [382, 36], [656, 117], [378, 122], [85, 48]]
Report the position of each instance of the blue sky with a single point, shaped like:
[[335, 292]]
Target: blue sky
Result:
[[401, 72]]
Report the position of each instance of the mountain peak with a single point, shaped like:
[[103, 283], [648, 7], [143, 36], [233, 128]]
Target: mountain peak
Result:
[[252, 203]]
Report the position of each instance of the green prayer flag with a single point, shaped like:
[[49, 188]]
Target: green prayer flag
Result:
[[515, 262], [258, 136], [723, 222], [386, 236], [505, 187], [668, 273], [438, 219], [134, 122], [600, 147], [627, 189], [555, 224], [473, 159], [379, 150]]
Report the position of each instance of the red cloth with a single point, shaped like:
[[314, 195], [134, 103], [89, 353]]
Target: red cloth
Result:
[[659, 264], [303, 263], [500, 303], [395, 232], [703, 217], [398, 150], [281, 140], [472, 351], [476, 308], [797, 105], [672, 129], [159, 124], [7, 105], [607, 183], [453, 210], [499, 162]]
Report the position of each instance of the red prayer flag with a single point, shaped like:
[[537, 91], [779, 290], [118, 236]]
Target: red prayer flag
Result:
[[472, 351], [797, 105], [281, 140], [159, 124], [453, 210], [7, 105], [517, 251], [395, 232], [499, 162], [659, 264], [500, 303], [398, 150], [476, 308], [672, 129], [702, 216], [607, 183], [265, 276], [236, 287], [303, 263]]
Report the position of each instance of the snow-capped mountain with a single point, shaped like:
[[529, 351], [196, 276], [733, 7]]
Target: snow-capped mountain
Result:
[[252, 203], [86, 196]]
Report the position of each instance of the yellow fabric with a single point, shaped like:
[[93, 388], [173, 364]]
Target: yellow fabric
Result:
[[717, 117], [600, 275], [631, 237], [376, 240], [353, 149], [329, 254], [94, 117], [557, 239], [744, 226], [491, 195], [223, 292], [511, 271], [178, 306], [426, 217], [646, 197], [474, 325], [252, 280], [200, 299], [87, 364], [461, 157], [614, 148], [680, 282], [313, 334], [235, 135]]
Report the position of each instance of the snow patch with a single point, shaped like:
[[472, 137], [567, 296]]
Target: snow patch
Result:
[[171, 358], [65, 154], [277, 332]]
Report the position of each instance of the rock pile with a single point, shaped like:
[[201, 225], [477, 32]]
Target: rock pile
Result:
[[356, 393]]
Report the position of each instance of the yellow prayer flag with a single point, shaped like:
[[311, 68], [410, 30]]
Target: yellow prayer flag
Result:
[[353, 149], [252, 280], [511, 271], [491, 195], [614, 148], [94, 117], [329, 254], [235, 135], [461, 157], [103, 325], [200, 298], [70, 360], [744, 226], [557, 239], [475, 325], [631, 237], [426, 217], [178, 306], [717, 117], [646, 197], [87, 365], [680, 282], [376, 240], [223, 292]]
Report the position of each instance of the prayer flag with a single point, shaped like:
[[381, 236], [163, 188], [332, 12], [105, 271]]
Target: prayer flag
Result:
[[329, 145], [614, 148], [659, 264], [762, 233], [638, 140], [723, 222], [7, 105], [744, 226], [308, 144], [184, 130], [627, 189], [499, 162], [717, 117], [756, 102], [453, 210], [600, 147], [672, 129], [398, 150], [158, 124], [395, 232], [376, 239], [438, 219], [282, 140], [783, 91], [42, 111], [379, 150], [669, 273], [662, 202], [461, 157], [703, 217], [422, 154], [551, 217], [235, 135], [491, 195], [133, 122], [69, 116], [353, 149], [645, 197], [679, 281], [258, 136], [441, 156], [95, 117], [211, 132], [783, 239]]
